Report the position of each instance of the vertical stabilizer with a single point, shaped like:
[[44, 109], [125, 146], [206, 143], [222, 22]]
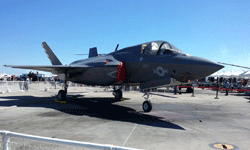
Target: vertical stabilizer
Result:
[[52, 57], [93, 52]]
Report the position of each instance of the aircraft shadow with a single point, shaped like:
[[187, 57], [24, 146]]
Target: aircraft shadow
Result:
[[237, 94], [241, 94], [248, 99], [104, 108]]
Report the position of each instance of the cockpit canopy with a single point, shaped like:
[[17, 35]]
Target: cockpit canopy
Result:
[[159, 48]]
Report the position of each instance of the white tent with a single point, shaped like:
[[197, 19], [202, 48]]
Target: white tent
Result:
[[235, 73], [232, 73], [216, 74], [239, 72], [219, 74], [228, 74], [224, 74], [245, 74]]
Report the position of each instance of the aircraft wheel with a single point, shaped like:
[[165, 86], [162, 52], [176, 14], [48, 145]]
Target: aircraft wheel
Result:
[[147, 106], [118, 94], [61, 95]]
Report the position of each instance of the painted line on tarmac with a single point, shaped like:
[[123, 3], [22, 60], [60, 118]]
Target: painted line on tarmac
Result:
[[129, 135], [4, 108]]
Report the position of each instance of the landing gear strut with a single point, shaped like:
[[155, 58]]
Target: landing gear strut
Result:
[[117, 93], [146, 105], [62, 94]]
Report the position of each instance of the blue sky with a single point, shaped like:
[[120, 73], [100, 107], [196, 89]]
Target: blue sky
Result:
[[215, 30]]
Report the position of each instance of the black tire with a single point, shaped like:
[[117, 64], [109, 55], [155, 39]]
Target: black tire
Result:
[[118, 94], [147, 106], [61, 95]]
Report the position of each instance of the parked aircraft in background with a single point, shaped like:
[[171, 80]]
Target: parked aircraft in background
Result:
[[148, 65]]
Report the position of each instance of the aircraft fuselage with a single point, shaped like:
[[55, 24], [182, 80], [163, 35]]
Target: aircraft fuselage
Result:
[[143, 67]]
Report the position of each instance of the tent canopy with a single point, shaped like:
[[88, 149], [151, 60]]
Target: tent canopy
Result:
[[230, 74], [245, 74]]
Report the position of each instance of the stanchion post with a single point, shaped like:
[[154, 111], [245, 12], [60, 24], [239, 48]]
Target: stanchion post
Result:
[[193, 92], [217, 89]]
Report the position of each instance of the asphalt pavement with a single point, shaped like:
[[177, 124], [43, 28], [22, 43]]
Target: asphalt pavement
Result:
[[92, 115]]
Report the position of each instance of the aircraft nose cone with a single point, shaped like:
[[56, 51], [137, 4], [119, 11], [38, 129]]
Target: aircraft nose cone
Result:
[[199, 67], [212, 66], [205, 66]]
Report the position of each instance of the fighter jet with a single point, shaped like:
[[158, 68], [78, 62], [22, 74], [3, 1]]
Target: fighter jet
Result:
[[148, 65]]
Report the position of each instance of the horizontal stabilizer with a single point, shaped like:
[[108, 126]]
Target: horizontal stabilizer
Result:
[[52, 57]]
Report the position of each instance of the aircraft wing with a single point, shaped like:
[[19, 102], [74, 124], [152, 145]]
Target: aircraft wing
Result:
[[58, 68], [55, 69]]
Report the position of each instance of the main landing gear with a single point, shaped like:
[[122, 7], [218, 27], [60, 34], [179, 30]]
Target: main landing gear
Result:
[[146, 105], [117, 93], [62, 94]]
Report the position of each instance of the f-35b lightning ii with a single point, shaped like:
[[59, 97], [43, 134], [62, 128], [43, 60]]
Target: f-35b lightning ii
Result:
[[148, 65]]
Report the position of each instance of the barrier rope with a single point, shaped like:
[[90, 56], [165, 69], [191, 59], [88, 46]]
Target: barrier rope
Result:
[[240, 90]]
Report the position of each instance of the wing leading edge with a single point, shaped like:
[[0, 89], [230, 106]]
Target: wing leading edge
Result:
[[56, 69]]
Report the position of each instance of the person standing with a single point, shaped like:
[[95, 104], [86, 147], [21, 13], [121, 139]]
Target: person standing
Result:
[[175, 90], [27, 83], [227, 87], [21, 84]]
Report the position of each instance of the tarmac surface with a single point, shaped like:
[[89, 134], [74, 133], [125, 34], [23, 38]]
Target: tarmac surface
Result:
[[92, 115]]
